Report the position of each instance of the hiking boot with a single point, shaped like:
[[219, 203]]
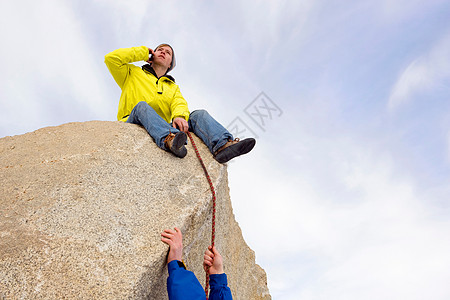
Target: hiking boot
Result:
[[175, 144], [234, 148]]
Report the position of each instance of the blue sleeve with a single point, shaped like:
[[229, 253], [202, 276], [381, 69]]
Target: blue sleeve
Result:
[[182, 284], [219, 287]]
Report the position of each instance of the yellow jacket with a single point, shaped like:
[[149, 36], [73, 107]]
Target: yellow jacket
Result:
[[137, 84]]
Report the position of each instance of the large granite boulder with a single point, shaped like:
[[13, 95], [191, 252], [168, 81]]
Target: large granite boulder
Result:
[[82, 207]]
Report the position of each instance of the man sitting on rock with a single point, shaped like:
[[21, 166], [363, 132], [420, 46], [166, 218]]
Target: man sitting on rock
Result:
[[182, 284], [151, 98]]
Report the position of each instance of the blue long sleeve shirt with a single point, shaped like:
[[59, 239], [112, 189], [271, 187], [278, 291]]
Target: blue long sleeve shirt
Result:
[[182, 284]]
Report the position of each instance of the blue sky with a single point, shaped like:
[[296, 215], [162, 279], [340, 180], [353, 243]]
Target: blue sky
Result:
[[346, 195]]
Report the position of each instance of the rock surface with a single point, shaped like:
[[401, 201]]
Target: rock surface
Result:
[[82, 207]]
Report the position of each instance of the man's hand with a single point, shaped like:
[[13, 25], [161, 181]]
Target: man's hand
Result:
[[213, 263], [181, 124], [174, 239]]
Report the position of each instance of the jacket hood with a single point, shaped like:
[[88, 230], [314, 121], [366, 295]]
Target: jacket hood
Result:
[[149, 68]]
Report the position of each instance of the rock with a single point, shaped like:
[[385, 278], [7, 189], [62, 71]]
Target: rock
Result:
[[82, 207]]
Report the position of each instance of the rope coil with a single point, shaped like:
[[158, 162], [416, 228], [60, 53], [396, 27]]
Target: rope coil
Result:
[[213, 227]]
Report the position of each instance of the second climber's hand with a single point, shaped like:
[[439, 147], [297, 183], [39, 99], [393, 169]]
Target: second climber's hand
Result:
[[173, 238], [213, 262], [181, 124]]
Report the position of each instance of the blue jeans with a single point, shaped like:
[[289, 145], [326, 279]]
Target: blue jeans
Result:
[[200, 122]]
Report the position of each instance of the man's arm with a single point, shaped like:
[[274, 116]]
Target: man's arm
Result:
[[180, 112], [219, 289], [179, 106], [118, 61], [182, 284]]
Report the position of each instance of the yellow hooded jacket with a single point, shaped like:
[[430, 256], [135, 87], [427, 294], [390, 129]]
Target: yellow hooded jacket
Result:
[[162, 94]]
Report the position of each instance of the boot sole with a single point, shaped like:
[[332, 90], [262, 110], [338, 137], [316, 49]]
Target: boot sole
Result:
[[179, 140], [243, 147], [178, 148]]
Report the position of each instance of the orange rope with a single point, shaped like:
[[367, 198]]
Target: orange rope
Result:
[[213, 229]]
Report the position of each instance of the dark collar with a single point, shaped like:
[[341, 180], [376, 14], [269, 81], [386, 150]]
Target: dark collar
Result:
[[149, 69]]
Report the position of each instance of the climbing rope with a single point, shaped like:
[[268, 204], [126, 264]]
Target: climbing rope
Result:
[[213, 229]]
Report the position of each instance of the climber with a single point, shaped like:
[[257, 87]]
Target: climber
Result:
[[151, 98], [181, 283]]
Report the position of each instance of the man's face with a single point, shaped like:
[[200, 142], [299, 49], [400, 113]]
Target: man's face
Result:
[[163, 56]]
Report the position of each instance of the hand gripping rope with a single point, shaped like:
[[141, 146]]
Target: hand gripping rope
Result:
[[213, 229]]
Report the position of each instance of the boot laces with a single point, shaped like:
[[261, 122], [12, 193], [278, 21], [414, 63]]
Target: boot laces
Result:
[[169, 137]]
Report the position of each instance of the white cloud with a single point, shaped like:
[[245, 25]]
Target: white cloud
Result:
[[48, 67], [448, 146], [402, 10], [341, 224], [427, 72]]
